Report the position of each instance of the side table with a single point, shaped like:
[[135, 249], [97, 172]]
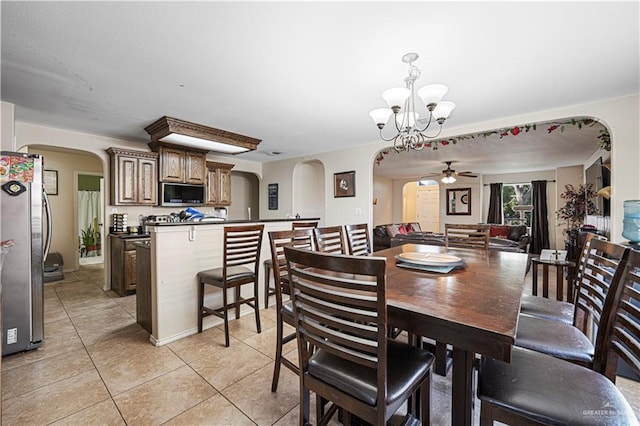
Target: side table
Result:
[[560, 266]]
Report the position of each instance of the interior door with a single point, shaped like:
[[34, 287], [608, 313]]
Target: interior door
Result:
[[428, 202]]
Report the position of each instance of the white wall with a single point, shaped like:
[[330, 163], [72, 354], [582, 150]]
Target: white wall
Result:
[[382, 193], [245, 195]]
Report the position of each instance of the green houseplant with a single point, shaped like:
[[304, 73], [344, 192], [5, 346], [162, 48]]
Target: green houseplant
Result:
[[578, 205], [89, 240]]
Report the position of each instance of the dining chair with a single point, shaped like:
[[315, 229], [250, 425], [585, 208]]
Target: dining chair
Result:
[[339, 307], [330, 239], [358, 240], [594, 301], [303, 239], [535, 388], [268, 265], [240, 264], [557, 310], [466, 236]]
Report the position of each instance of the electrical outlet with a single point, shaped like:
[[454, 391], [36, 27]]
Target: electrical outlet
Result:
[[357, 211], [114, 210]]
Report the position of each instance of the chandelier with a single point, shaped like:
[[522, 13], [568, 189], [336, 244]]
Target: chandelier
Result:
[[402, 104]]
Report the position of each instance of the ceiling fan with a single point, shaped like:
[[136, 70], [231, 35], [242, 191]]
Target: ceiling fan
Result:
[[449, 175]]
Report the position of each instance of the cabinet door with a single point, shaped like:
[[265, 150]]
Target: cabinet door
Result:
[[172, 165], [147, 182], [224, 190], [130, 270], [195, 169], [127, 180], [212, 187]]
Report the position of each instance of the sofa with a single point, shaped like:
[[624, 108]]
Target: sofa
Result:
[[513, 238]]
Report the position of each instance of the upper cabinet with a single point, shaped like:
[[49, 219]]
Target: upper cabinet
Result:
[[218, 184], [181, 165], [134, 177]]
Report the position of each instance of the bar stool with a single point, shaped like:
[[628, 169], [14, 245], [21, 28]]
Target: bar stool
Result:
[[268, 263], [241, 248]]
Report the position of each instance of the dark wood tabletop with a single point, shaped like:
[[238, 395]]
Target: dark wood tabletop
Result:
[[473, 308]]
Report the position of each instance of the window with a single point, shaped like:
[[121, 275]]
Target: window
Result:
[[516, 203]]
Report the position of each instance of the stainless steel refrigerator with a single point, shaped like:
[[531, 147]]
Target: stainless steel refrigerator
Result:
[[23, 208]]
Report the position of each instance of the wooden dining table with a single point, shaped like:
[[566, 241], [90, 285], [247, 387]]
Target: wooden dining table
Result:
[[473, 308]]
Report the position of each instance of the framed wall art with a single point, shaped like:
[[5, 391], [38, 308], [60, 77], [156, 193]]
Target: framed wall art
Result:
[[50, 181], [273, 196], [344, 184], [459, 201]]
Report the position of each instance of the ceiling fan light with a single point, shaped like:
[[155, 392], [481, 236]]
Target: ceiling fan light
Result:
[[395, 97], [448, 179], [433, 93], [380, 116], [443, 109]]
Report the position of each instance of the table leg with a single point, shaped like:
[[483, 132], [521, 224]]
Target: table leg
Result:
[[462, 398], [534, 279], [559, 282], [545, 280]]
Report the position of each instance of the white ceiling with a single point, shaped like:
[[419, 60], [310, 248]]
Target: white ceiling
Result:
[[302, 76]]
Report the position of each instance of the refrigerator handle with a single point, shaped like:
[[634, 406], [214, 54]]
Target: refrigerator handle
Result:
[[47, 209]]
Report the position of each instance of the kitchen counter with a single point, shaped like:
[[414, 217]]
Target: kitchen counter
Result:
[[233, 222], [178, 251]]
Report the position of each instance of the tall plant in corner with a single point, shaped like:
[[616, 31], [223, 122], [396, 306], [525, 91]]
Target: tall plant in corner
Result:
[[578, 205]]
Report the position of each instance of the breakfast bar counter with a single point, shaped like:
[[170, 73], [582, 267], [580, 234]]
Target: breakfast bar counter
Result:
[[178, 251]]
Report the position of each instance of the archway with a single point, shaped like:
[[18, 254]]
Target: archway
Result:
[[308, 190]]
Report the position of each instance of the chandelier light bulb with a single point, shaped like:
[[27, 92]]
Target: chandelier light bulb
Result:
[[448, 179], [432, 94], [443, 110], [396, 97], [380, 116]]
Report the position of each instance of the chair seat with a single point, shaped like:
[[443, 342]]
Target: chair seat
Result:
[[405, 364], [550, 309], [553, 338], [557, 391], [211, 276]]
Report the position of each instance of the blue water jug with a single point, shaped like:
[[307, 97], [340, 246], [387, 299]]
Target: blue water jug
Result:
[[631, 222]]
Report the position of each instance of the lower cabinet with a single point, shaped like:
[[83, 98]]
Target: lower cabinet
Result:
[[124, 264]]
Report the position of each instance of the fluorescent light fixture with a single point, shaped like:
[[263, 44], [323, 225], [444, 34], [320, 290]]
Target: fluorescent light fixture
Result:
[[183, 133]]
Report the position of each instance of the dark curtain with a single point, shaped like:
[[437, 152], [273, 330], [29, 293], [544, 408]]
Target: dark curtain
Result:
[[539, 222], [495, 204]]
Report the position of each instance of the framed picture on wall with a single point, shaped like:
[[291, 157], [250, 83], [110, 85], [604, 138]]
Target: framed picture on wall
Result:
[[50, 181], [273, 196], [344, 184], [459, 201]]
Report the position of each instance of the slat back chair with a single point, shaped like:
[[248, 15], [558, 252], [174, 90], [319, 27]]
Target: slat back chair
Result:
[[623, 335], [595, 297], [358, 240], [537, 389], [557, 310], [302, 239], [340, 310], [240, 265], [268, 265], [330, 239], [304, 225], [466, 236]]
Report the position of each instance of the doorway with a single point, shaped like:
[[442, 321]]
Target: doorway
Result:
[[90, 214], [428, 206]]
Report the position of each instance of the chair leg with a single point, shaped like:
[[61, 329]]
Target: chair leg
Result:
[[305, 416], [486, 414], [278, 362], [267, 273], [237, 301], [425, 402], [256, 305], [200, 305], [226, 317]]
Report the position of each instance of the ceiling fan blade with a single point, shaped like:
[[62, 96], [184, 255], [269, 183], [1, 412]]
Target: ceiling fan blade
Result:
[[467, 174]]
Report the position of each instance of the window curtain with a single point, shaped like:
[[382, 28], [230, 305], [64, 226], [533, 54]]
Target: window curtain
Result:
[[539, 222], [495, 204]]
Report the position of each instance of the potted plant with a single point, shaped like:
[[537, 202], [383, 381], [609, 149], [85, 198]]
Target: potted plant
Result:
[[89, 240], [577, 205]]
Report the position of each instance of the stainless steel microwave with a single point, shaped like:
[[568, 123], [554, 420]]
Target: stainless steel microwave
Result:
[[181, 194]]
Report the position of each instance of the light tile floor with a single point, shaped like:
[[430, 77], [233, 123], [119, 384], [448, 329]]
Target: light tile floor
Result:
[[98, 367]]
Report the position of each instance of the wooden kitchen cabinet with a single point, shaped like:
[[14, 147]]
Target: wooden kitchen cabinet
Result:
[[124, 264], [181, 165], [218, 184], [143, 286], [134, 177]]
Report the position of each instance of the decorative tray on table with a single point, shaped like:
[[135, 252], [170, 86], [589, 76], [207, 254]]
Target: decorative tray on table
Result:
[[431, 262]]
